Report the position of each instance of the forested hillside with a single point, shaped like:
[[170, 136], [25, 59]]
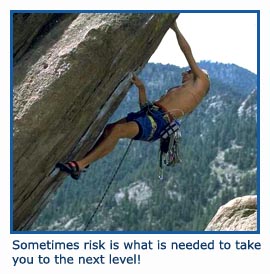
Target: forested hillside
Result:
[[219, 162]]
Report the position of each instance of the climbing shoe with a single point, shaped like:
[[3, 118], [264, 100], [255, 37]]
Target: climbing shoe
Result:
[[71, 168]]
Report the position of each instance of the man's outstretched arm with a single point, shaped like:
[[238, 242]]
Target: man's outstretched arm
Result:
[[185, 47], [142, 94]]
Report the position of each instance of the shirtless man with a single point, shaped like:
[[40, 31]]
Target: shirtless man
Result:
[[147, 124]]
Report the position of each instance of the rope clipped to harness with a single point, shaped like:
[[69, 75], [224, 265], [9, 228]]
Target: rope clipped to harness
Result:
[[169, 146]]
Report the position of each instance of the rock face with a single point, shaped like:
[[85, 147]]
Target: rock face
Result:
[[70, 73], [240, 214]]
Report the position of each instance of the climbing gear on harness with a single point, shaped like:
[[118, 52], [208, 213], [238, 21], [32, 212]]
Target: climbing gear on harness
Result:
[[171, 128], [169, 137], [108, 186], [169, 150], [71, 168]]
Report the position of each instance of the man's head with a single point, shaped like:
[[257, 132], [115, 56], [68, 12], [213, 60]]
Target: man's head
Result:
[[187, 75]]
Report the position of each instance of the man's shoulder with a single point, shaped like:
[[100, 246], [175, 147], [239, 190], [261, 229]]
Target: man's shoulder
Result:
[[202, 83]]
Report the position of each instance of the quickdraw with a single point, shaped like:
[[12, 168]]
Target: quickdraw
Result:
[[169, 146]]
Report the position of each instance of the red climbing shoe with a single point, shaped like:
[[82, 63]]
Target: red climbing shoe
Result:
[[71, 168]]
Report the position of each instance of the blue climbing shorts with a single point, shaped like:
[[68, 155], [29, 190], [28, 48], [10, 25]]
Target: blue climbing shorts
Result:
[[151, 122]]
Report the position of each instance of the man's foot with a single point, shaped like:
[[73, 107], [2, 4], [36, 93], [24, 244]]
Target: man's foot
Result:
[[71, 168]]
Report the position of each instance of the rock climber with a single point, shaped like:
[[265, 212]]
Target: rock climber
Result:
[[150, 121]]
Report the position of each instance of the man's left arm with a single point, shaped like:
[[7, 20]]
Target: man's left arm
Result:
[[186, 49]]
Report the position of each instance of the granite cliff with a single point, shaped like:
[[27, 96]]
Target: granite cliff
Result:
[[70, 72]]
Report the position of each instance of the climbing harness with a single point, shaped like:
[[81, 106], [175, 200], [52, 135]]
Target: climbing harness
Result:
[[107, 188], [169, 146], [169, 138]]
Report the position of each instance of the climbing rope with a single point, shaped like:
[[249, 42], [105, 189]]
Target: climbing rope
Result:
[[108, 187]]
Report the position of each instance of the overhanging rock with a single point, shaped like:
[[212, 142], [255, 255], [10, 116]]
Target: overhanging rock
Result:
[[69, 77]]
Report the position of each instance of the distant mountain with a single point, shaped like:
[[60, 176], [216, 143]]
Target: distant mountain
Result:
[[219, 162], [239, 79]]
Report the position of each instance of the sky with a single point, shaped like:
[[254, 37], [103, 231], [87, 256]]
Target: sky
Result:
[[229, 38]]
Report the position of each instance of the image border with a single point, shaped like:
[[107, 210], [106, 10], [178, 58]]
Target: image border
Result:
[[257, 12]]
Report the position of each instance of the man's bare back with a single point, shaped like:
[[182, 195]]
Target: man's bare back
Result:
[[183, 99]]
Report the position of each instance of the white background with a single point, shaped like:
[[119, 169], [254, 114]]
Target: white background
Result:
[[216, 261], [216, 37]]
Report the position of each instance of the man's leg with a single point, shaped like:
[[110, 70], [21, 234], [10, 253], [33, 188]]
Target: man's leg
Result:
[[108, 140], [105, 133]]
